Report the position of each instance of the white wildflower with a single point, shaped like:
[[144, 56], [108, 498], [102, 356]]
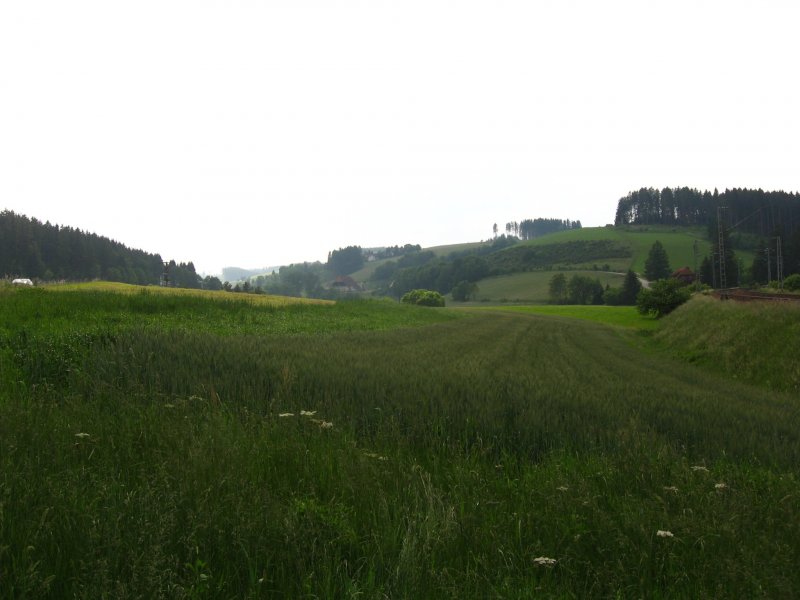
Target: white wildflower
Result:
[[663, 533], [562, 488], [81, 435], [326, 425], [373, 454], [720, 486], [308, 413], [544, 561], [286, 415], [699, 468]]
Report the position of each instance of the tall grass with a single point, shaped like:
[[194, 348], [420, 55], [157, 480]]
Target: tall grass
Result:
[[440, 460], [757, 342]]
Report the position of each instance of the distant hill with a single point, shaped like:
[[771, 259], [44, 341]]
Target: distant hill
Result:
[[30, 248], [509, 269], [39, 250], [234, 274], [522, 272]]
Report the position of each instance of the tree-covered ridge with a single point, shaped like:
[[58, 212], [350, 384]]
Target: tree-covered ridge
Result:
[[752, 211], [30, 248]]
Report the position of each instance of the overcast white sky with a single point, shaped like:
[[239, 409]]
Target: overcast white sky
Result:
[[256, 133]]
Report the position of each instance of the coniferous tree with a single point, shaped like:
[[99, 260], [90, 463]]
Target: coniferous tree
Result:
[[657, 264], [630, 289]]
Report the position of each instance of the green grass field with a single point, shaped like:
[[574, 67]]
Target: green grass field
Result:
[[678, 242], [618, 316], [533, 286], [150, 448]]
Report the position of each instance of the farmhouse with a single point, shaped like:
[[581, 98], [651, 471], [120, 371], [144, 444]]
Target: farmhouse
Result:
[[684, 275]]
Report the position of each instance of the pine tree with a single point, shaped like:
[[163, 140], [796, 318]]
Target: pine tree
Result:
[[657, 264], [630, 289]]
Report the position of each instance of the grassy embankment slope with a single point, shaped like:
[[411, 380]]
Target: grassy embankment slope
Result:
[[758, 342], [145, 454]]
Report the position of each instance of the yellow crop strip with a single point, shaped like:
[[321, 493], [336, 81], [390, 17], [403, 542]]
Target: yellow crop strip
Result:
[[127, 288]]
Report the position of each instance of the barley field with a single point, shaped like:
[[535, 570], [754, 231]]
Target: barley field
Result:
[[184, 447]]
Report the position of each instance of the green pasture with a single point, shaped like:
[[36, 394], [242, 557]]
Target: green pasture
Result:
[[678, 242], [533, 286], [99, 309], [150, 448], [618, 316], [451, 248]]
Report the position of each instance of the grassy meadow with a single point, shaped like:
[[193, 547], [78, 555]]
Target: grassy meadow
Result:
[[678, 243], [534, 286], [618, 316], [185, 447]]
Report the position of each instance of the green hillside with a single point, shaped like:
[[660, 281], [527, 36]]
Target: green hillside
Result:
[[677, 241], [521, 272], [532, 287]]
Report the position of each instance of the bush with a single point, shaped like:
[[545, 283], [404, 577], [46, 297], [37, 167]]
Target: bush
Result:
[[464, 290], [611, 296], [662, 298], [792, 283], [423, 298]]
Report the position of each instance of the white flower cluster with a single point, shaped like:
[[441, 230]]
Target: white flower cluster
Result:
[[310, 415], [663, 533], [544, 561]]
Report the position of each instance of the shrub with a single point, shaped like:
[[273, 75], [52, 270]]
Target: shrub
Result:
[[423, 298], [611, 296], [662, 298], [464, 290], [792, 283]]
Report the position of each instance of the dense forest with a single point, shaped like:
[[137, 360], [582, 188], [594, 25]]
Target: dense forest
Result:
[[30, 248], [746, 211]]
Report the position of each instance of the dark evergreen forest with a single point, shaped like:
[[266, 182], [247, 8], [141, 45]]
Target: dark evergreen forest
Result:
[[30, 248], [746, 211]]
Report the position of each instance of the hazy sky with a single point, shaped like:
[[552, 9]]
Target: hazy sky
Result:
[[256, 133]]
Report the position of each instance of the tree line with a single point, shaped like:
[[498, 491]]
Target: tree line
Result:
[[30, 248], [528, 229], [751, 211]]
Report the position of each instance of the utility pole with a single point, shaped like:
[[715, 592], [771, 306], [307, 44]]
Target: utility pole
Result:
[[723, 282], [769, 265], [696, 272], [779, 261]]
